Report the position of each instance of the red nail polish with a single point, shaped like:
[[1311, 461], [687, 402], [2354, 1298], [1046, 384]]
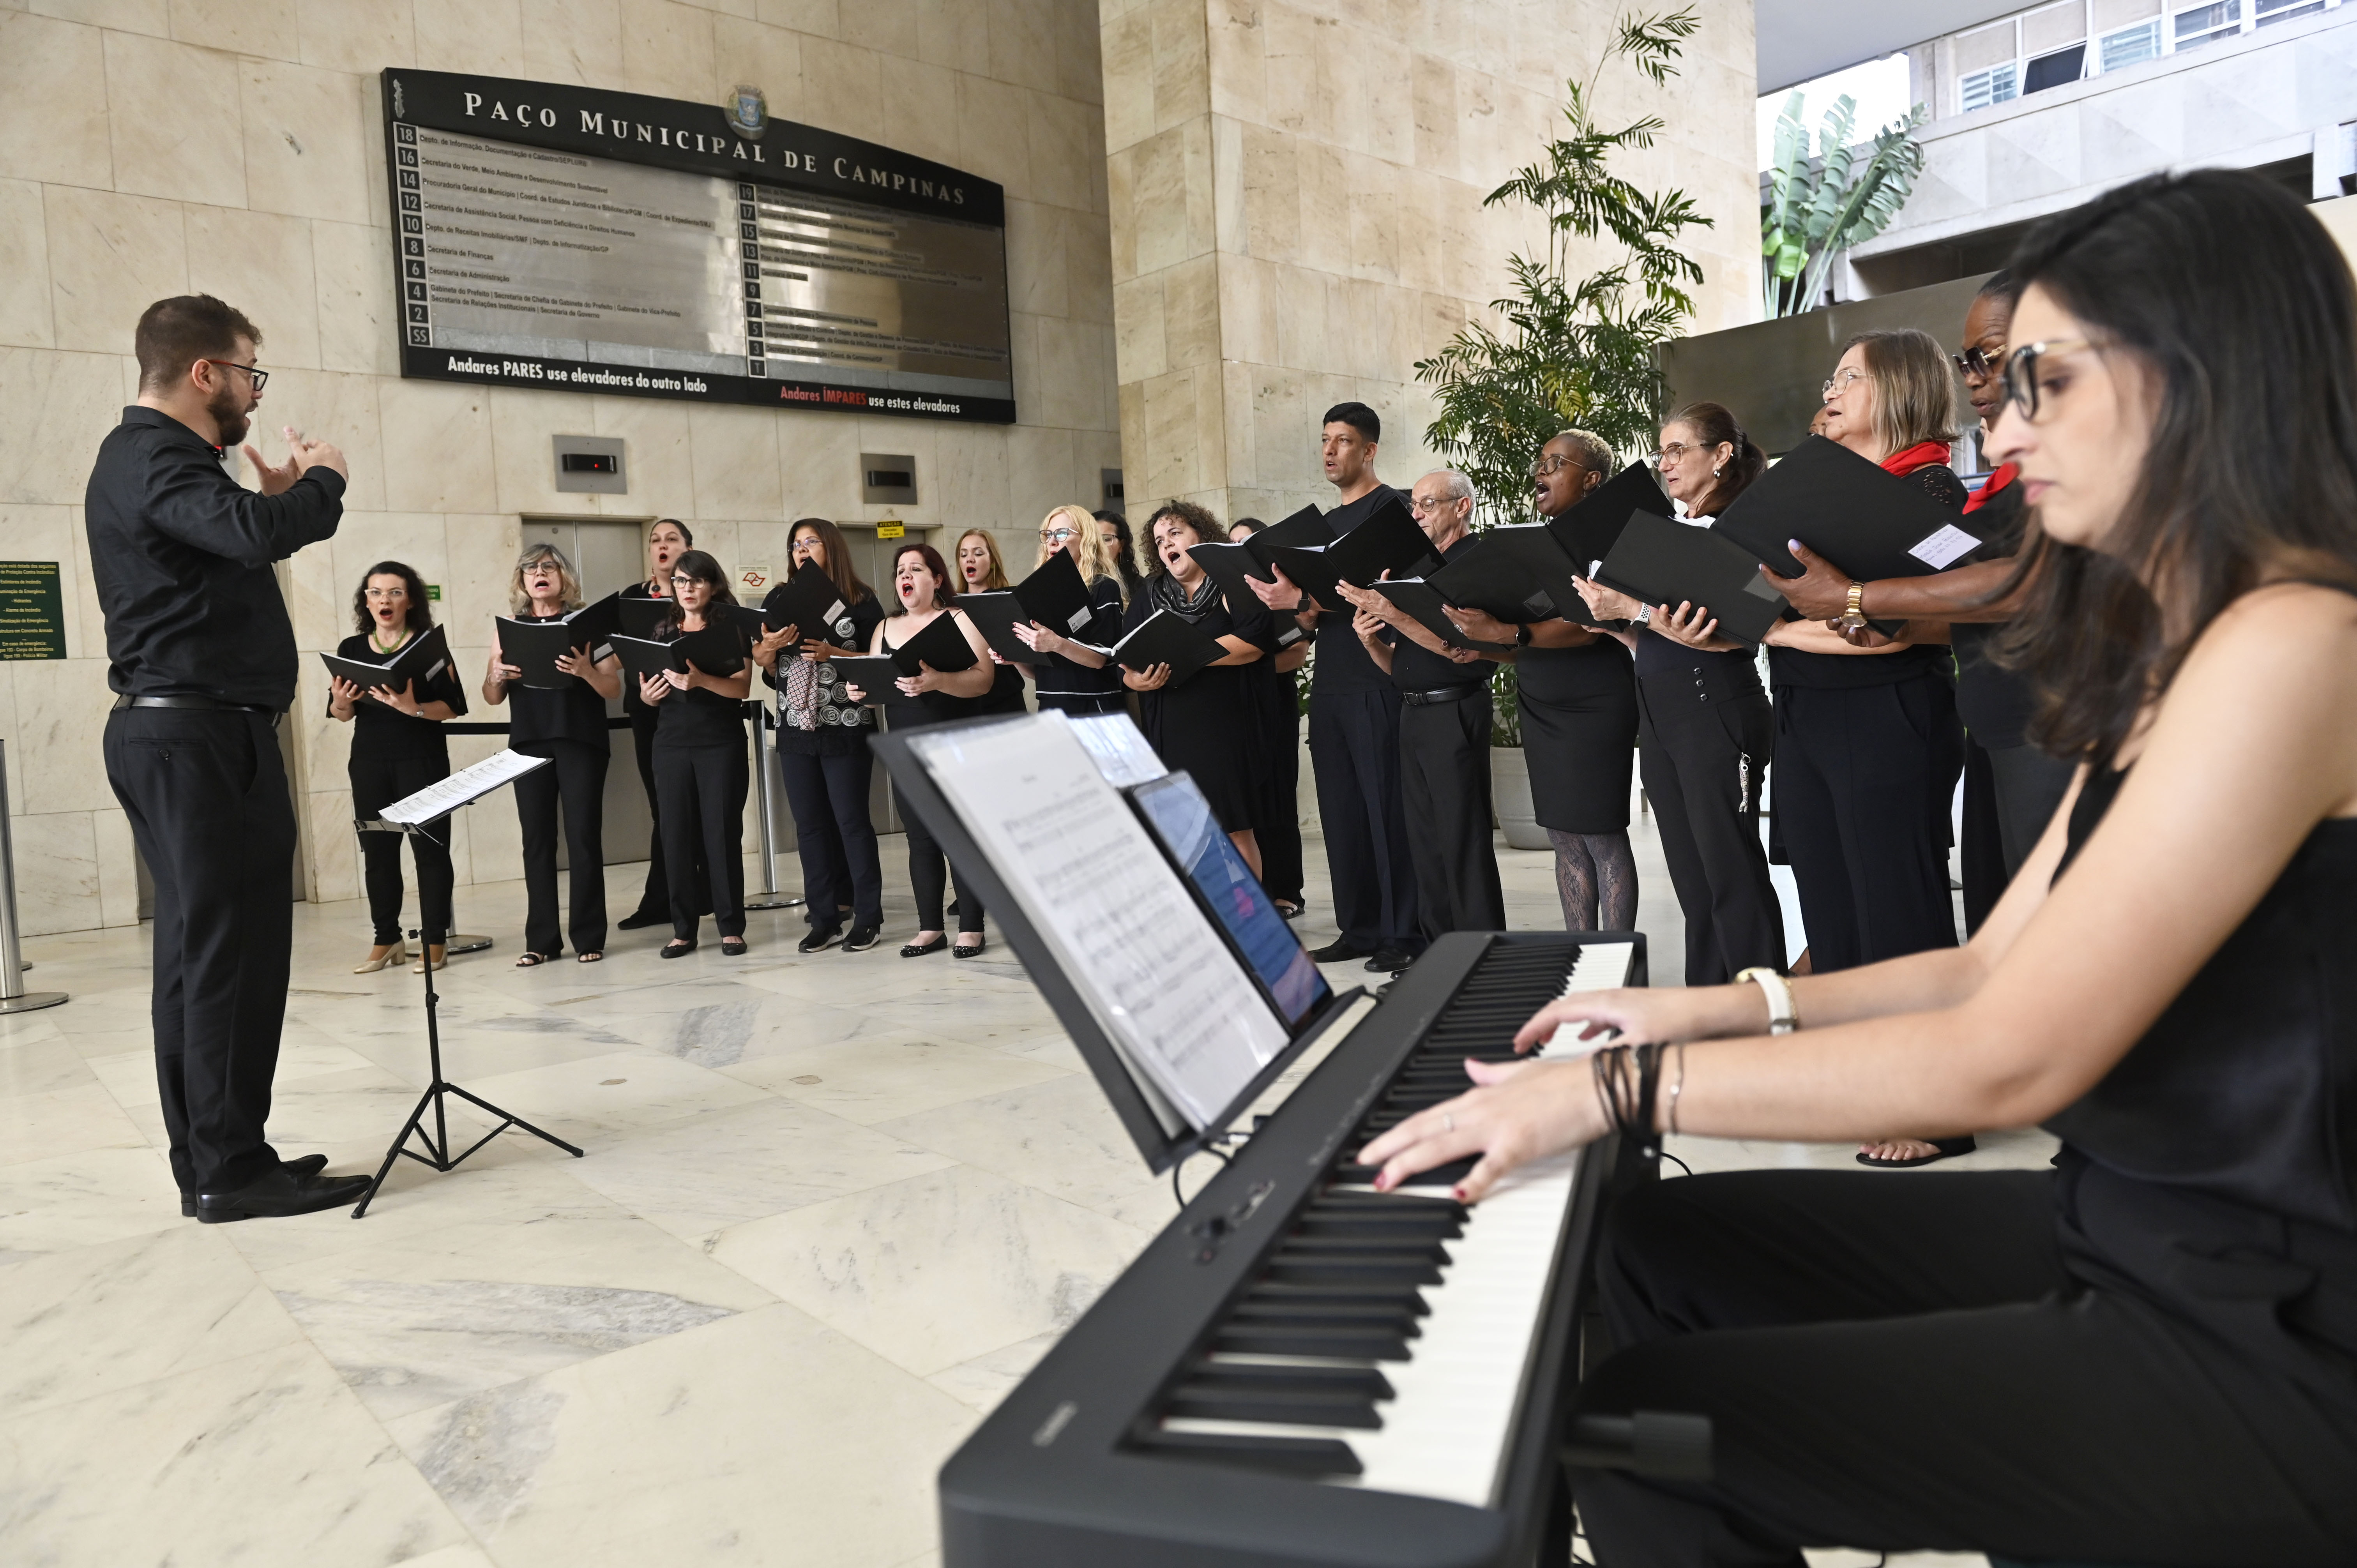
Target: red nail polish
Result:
[[1460, 1190]]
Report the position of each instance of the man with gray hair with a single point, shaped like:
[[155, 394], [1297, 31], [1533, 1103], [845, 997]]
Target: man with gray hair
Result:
[[1444, 732]]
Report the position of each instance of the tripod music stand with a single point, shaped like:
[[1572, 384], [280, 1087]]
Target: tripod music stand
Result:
[[490, 776]]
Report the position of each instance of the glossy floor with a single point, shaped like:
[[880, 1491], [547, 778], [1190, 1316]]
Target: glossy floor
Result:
[[832, 1208]]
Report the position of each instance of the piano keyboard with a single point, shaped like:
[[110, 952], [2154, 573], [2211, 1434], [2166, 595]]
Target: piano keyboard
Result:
[[1300, 1370]]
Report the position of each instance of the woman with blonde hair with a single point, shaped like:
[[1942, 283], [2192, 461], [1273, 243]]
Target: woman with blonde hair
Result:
[[568, 726], [1078, 676], [980, 569]]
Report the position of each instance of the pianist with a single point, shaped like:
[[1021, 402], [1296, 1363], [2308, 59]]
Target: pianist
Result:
[[2148, 1355]]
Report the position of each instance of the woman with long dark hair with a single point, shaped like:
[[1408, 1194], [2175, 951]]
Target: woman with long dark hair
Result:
[[398, 749], [667, 540], [701, 774], [924, 591], [567, 725], [1121, 544], [2143, 1354], [1703, 722], [1206, 726], [822, 753], [1277, 714]]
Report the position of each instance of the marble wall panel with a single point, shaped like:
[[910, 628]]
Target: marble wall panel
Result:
[[260, 263], [843, 89], [667, 50], [957, 33], [57, 872], [355, 36], [61, 705], [523, 455], [351, 268], [1125, 44], [54, 410], [994, 133], [920, 109], [887, 26], [25, 317], [437, 443], [306, 143], [655, 456], [118, 867], [819, 461], [160, 153], [53, 119], [1065, 142], [577, 41], [110, 258]]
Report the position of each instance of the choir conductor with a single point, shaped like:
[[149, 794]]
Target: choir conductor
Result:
[[201, 659]]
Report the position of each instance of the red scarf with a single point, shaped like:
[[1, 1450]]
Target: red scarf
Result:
[[2005, 474], [1923, 454]]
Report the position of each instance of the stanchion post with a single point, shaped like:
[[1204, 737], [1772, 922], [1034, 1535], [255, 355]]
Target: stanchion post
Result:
[[14, 997], [769, 899]]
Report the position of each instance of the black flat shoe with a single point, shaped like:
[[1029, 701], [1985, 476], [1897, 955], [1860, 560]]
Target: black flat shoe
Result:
[[1942, 1149], [861, 939], [309, 1165], [643, 919], [919, 950], [1336, 952], [278, 1196], [1390, 960], [974, 952], [820, 938], [732, 947], [676, 949]]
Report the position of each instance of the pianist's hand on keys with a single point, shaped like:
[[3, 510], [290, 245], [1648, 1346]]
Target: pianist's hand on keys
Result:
[[1642, 1017], [1518, 1112]]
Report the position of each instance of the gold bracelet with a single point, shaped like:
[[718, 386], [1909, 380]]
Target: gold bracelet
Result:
[[1853, 609]]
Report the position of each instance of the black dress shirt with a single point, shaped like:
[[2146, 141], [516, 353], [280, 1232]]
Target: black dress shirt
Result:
[[182, 554], [1342, 663], [1416, 668]]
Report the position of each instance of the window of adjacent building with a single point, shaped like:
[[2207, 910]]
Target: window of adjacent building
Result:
[[2206, 24], [1996, 85], [2061, 67], [2284, 10], [2130, 46]]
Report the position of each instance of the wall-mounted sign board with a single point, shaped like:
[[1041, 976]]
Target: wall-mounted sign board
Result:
[[32, 611], [573, 239]]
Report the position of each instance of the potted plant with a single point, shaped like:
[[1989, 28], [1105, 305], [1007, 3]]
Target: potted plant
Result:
[[1510, 773]]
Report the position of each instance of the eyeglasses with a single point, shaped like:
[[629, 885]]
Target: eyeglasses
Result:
[[679, 582], [1671, 452], [1840, 382], [260, 378], [1057, 535], [2022, 370], [1554, 463], [1978, 362], [1440, 503]]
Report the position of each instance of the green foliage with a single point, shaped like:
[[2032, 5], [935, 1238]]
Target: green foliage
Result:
[[1575, 350], [1505, 708], [1847, 195]]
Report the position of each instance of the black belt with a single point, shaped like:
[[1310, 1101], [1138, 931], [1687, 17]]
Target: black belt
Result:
[[205, 704], [1445, 694]]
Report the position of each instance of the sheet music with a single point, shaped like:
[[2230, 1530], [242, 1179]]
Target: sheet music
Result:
[[1119, 750], [1126, 931], [445, 796]]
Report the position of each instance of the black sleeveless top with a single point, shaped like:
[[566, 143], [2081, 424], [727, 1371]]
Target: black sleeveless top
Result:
[[2210, 1171]]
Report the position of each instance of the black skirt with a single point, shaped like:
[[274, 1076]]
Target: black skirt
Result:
[[1580, 734], [1209, 728]]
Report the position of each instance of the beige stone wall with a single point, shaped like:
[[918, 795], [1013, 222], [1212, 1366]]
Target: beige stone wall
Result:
[[1296, 210], [152, 147]]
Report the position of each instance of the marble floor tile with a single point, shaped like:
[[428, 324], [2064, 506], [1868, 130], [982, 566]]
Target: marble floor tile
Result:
[[64, 1122], [468, 1556], [265, 1457], [99, 1319], [871, 1080], [716, 1168], [83, 1199], [41, 1064], [611, 1094], [992, 1376], [1059, 1136], [878, 1265], [763, 1438]]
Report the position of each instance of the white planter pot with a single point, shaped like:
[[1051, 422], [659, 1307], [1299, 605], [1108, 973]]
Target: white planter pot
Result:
[[1510, 797]]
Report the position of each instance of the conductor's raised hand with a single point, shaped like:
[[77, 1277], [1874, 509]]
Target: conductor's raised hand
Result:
[[654, 690], [1153, 678], [1822, 590], [1516, 1112]]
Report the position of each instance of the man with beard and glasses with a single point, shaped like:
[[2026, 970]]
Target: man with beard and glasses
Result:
[[201, 657]]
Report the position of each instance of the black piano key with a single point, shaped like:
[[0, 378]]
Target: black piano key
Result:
[[1294, 1407], [1272, 1295], [1371, 1225], [1362, 1380], [1294, 1455], [1254, 1337], [1388, 1203], [1371, 1269], [1366, 1245], [1439, 1176]]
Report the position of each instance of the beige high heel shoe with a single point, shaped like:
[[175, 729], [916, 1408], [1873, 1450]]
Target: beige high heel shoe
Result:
[[433, 952], [383, 959]]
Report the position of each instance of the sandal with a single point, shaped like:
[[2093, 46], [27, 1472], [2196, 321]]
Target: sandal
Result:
[[589, 957], [533, 960]]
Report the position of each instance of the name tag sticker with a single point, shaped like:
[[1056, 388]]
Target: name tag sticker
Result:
[[1082, 617], [834, 612], [1937, 549]]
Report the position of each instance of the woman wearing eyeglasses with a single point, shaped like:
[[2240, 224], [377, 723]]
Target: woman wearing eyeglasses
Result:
[[566, 726], [667, 540], [2142, 1355], [398, 749], [1078, 676], [701, 774], [980, 571]]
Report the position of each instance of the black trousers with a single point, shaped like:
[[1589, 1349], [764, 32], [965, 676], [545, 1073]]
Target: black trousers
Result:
[[1863, 780], [833, 835], [206, 793], [656, 900], [378, 782], [1906, 1365], [2029, 787], [1445, 782], [703, 792], [1354, 750], [1277, 828], [575, 783], [928, 875], [1703, 741]]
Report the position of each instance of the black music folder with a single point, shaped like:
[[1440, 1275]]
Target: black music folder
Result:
[[1425, 604], [1304, 527], [753, 620], [643, 656], [940, 644], [1055, 597], [1231, 566], [1387, 540], [1588, 530], [1498, 577], [809, 602], [879, 679], [1166, 639], [1867, 520], [424, 655], [643, 618], [1666, 563], [534, 647], [997, 613], [593, 624]]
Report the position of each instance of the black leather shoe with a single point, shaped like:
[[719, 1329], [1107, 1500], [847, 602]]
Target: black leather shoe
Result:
[[861, 939], [919, 950], [820, 937], [1336, 952], [1390, 959], [309, 1165], [643, 919], [974, 952], [279, 1195]]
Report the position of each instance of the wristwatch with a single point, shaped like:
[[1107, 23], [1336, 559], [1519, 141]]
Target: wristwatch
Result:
[[1782, 1016], [1853, 609], [1521, 637], [1644, 615]]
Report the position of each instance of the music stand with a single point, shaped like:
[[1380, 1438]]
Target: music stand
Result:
[[458, 789]]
